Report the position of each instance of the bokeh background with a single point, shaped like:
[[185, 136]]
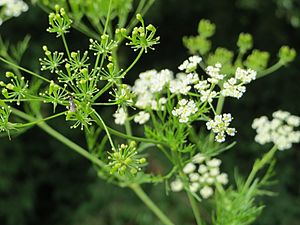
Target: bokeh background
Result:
[[43, 182]]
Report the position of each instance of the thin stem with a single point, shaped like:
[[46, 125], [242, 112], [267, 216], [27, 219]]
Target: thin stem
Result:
[[40, 120], [107, 17], [104, 89], [25, 70], [220, 104], [150, 204], [66, 45], [133, 63], [195, 208], [218, 112], [106, 130], [260, 164], [271, 69], [62, 139]]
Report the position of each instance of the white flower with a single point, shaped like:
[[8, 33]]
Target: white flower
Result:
[[214, 73], [194, 177], [13, 7], [214, 171], [185, 110], [144, 100], [198, 158], [202, 85], [206, 192], [280, 130], [176, 185], [232, 89], [220, 126], [194, 187], [202, 169], [142, 117], [190, 64], [189, 168], [207, 95], [120, 116], [245, 76], [222, 178], [214, 162]]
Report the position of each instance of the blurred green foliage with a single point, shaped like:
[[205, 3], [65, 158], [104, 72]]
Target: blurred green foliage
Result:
[[42, 182]]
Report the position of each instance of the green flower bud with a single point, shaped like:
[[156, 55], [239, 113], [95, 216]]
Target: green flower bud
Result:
[[286, 54], [206, 28], [245, 42]]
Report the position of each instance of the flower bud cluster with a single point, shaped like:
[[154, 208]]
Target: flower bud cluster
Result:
[[59, 22], [142, 37], [280, 130], [203, 174], [125, 160], [16, 89]]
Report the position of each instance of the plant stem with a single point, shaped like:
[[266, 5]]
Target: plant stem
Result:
[[133, 63], [61, 138], [107, 17], [66, 46], [25, 70], [106, 130], [220, 104], [150, 204], [195, 208], [40, 120], [271, 69], [260, 164]]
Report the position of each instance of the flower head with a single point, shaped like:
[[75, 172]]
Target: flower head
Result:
[[280, 130], [220, 126]]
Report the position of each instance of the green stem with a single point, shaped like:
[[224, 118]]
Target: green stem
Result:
[[259, 165], [220, 104], [61, 138], [40, 120], [195, 208], [271, 69], [218, 112], [133, 63], [150, 204], [66, 45], [107, 17], [25, 70], [104, 89], [105, 128]]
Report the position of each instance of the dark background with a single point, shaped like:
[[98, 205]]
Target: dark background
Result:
[[43, 182]]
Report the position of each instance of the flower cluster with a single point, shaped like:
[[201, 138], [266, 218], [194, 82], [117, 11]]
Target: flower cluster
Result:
[[185, 110], [220, 126], [12, 8], [148, 85], [203, 175], [190, 64], [125, 159], [142, 117], [234, 87], [120, 116], [280, 130]]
